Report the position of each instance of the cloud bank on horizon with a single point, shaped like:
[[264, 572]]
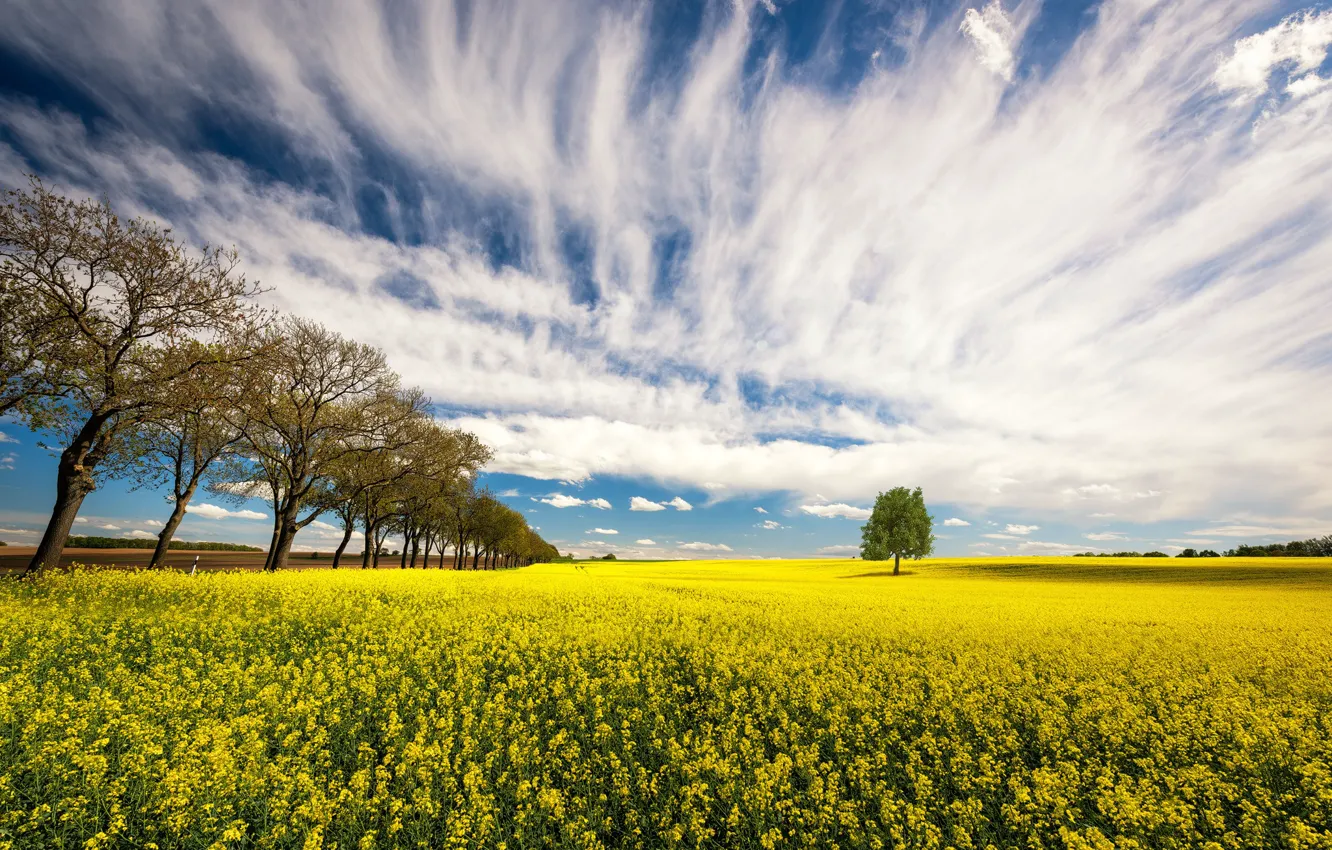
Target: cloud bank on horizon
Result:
[[1024, 258]]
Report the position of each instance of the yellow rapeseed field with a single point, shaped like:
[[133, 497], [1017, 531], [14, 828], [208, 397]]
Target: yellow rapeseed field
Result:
[[1070, 703]]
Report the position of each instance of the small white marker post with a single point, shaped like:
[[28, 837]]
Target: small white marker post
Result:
[[195, 566]]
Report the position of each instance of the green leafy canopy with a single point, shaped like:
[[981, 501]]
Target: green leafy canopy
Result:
[[898, 527]]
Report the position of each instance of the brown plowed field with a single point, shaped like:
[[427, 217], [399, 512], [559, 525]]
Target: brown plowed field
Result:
[[15, 559]]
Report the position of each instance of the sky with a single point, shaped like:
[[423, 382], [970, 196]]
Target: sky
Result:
[[709, 276]]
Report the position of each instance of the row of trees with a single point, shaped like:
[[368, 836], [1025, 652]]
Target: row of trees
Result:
[[152, 362], [1314, 547]]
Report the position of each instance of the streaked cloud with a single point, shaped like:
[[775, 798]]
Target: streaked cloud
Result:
[[850, 301]]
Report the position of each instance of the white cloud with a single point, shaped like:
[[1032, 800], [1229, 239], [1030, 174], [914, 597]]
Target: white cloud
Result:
[[680, 504], [1102, 515], [840, 549], [638, 503], [760, 510], [706, 547], [8, 461], [998, 536], [1088, 491], [1299, 44], [320, 525], [646, 541], [955, 521], [993, 35], [208, 511], [560, 500], [5, 438], [603, 531], [140, 534], [109, 527], [1105, 535], [1021, 529], [837, 510], [80, 519], [152, 523], [1155, 257], [599, 504], [770, 524]]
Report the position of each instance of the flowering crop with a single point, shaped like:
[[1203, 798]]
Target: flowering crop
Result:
[[1050, 704]]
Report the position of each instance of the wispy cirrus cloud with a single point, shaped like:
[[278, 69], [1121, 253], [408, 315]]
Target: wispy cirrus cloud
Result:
[[649, 272]]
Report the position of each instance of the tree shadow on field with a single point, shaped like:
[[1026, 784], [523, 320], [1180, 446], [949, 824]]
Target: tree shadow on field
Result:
[[883, 574], [1223, 575]]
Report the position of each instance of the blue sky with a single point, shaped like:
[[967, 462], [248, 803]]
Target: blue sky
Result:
[[1063, 265]]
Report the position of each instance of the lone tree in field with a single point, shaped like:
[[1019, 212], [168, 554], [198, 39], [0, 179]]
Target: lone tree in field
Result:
[[121, 315], [899, 527]]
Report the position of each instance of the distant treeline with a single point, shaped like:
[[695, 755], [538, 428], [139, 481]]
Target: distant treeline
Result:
[[77, 542], [1314, 547]]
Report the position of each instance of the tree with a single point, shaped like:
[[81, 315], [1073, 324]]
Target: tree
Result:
[[899, 527], [313, 399], [31, 333], [186, 441], [130, 307]]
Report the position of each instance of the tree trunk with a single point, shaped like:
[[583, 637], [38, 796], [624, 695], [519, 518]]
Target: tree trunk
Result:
[[278, 559], [897, 563], [369, 543], [476, 555], [172, 523], [73, 484], [416, 548], [272, 542], [380, 534], [369, 536], [342, 547]]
